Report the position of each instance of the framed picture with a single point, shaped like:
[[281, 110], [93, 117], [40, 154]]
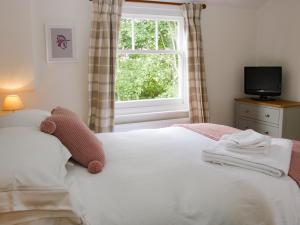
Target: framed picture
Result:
[[61, 43]]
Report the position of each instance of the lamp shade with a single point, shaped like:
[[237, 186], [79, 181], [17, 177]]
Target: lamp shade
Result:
[[12, 103]]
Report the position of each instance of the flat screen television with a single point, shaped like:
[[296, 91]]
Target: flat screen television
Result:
[[263, 81]]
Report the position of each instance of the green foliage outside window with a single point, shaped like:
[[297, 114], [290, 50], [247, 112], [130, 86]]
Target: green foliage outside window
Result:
[[167, 35], [125, 39], [147, 76], [144, 34]]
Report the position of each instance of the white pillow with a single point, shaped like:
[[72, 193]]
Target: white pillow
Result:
[[24, 118], [32, 178]]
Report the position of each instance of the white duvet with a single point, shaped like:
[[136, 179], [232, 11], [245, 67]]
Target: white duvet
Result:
[[157, 177]]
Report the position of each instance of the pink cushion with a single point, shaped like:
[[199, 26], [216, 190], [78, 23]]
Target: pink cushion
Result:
[[82, 143], [216, 131], [62, 111]]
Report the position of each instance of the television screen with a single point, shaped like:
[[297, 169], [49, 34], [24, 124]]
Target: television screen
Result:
[[263, 81]]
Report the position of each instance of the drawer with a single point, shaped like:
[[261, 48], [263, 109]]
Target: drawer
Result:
[[266, 114], [258, 127]]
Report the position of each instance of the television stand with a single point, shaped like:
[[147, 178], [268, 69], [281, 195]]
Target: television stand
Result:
[[278, 118], [263, 98]]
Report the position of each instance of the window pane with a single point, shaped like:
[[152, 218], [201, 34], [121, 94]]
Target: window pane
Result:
[[144, 34], [147, 76], [125, 39], [167, 35]]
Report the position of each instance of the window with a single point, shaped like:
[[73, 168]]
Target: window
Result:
[[150, 65]]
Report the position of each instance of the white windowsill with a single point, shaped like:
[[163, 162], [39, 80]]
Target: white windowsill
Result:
[[149, 103], [150, 125], [153, 116]]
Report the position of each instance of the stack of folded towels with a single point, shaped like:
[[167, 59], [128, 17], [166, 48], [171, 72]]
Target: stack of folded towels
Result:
[[247, 141], [251, 150]]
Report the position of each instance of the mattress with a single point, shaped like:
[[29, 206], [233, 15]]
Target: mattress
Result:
[[157, 177]]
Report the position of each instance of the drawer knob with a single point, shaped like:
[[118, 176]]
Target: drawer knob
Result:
[[267, 115], [266, 132]]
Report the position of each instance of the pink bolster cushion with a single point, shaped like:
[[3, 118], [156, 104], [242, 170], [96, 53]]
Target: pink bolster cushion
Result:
[[216, 131], [82, 143]]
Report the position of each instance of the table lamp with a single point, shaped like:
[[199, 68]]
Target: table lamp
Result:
[[12, 103]]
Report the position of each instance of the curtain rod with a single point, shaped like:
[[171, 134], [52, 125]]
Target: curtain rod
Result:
[[158, 2]]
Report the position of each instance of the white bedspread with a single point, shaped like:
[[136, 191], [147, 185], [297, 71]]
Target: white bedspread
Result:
[[157, 177]]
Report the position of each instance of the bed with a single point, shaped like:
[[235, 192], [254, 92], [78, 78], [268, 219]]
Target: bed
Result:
[[157, 177]]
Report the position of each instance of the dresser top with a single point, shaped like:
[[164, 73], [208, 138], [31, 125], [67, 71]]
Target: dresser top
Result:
[[278, 103]]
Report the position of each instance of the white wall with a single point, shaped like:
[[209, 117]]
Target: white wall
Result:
[[278, 42], [229, 35], [16, 46], [229, 42], [56, 83]]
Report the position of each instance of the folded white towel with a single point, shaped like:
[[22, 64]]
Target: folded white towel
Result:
[[246, 138], [247, 141], [261, 148], [276, 163]]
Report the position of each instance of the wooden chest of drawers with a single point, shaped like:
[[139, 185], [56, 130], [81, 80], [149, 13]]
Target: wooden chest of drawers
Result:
[[278, 118]]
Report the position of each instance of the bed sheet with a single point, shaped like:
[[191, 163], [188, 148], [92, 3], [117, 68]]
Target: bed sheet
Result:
[[157, 177]]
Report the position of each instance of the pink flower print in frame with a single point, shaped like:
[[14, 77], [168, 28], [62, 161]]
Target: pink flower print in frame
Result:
[[62, 41], [61, 45]]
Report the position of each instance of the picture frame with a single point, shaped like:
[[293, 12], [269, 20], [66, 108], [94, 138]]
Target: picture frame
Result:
[[61, 43]]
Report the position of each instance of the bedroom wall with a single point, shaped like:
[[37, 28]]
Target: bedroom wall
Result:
[[16, 67], [278, 42], [229, 35], [55, 83]]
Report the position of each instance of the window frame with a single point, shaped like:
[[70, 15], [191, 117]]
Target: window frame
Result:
[[157, 107]]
